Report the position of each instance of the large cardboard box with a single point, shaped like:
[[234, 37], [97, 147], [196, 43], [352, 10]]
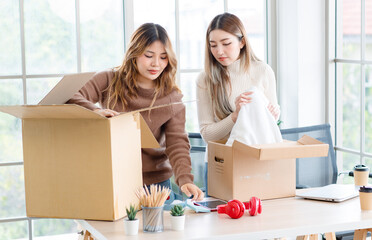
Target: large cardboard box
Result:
[[265, 171], [78, 164]]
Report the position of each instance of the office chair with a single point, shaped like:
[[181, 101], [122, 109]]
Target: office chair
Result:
[[315, 171], [197, 143], [197, 154]]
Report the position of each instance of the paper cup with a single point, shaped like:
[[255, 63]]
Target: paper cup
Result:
[[365, 197], [361, 173]]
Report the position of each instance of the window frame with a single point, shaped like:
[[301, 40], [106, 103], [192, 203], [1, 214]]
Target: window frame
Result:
[[128, 20], [24, 76], [270, 32], [334, 81]]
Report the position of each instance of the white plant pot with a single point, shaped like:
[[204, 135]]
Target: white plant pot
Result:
[[131, 227], [178, 223]]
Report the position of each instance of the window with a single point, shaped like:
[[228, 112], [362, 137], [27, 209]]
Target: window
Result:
[[187, 22], [41, 40], [353, 82]]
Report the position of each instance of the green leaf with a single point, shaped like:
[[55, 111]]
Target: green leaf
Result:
[[177, 210], [131, 212]]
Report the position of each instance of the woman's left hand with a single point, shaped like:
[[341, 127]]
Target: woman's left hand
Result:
[[191, 189], [274, 110]]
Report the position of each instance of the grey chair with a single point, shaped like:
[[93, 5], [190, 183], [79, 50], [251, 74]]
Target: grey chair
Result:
[[197, 143], [197, 153], [316, 171]]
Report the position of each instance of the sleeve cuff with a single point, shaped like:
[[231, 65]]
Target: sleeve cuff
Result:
[[182, 180]]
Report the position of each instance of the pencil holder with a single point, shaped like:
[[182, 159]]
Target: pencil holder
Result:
[[152, 218]]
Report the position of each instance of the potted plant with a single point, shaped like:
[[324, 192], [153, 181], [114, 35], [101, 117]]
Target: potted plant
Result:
[[131, 223], [177, 217]]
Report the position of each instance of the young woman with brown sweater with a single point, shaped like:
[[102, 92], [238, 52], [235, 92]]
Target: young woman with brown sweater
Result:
[[147, 78]]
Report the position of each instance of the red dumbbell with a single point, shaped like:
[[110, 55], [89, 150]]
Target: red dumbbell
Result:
[[254, 206], [235, 208]]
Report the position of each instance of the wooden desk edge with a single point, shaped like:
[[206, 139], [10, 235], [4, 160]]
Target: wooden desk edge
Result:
[[86, 226]]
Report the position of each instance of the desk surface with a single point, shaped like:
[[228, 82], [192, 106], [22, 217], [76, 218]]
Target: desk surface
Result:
[[280, 218]]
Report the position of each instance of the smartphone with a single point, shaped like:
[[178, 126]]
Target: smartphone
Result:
[[211, 205]]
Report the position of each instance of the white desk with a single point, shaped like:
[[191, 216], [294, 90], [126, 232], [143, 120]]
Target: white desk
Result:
[[280, 218]]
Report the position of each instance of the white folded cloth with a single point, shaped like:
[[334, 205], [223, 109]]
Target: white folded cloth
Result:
[[255, 124]]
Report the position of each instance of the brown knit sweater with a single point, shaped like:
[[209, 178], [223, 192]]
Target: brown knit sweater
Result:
[[166, 123]]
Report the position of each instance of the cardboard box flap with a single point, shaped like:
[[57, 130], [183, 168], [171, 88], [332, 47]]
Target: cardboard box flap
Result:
[[307, 140], [304, 147], [251, 150], [147, 138], [66, 111], [66, 88]]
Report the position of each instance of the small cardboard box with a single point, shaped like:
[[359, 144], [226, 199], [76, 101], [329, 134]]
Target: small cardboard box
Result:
[[78, 164], [265, 171]]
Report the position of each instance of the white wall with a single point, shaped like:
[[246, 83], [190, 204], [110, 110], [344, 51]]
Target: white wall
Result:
[[312, 78], [301, 62]]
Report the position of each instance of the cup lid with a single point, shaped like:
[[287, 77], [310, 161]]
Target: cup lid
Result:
[[361, 168], [365, 189]]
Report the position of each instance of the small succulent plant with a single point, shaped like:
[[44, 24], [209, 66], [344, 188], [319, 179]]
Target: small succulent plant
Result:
[[131, 212], [177, 210]]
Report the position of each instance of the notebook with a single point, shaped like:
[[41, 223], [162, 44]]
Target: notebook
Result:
[[331, 193]]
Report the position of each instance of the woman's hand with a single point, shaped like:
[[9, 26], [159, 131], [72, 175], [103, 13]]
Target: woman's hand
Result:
[[274, 110], [241, 100], [106, 112], [191, 189]]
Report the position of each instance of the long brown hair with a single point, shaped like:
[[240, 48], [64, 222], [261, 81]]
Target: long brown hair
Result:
[[124, 86], [217, 77]]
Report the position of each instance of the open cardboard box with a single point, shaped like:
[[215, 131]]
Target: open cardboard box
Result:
[[78, 164], [265, 171]]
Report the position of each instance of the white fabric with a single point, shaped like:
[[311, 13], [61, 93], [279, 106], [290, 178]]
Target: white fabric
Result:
[[255, 124], [260, 76]]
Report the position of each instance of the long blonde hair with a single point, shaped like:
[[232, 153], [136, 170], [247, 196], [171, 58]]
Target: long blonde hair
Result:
[[217, 77], [124, 86]]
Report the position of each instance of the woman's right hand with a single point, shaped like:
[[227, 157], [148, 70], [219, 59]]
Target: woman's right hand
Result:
[[191, 189], [241, 100], [106, 112]]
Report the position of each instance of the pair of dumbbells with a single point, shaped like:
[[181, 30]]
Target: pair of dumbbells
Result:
[[235, 208]]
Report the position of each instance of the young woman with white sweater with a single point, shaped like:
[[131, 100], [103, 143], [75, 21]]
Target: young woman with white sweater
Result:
[[231, 68]]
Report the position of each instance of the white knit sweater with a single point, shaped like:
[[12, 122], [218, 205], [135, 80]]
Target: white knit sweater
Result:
[[260, 75]]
